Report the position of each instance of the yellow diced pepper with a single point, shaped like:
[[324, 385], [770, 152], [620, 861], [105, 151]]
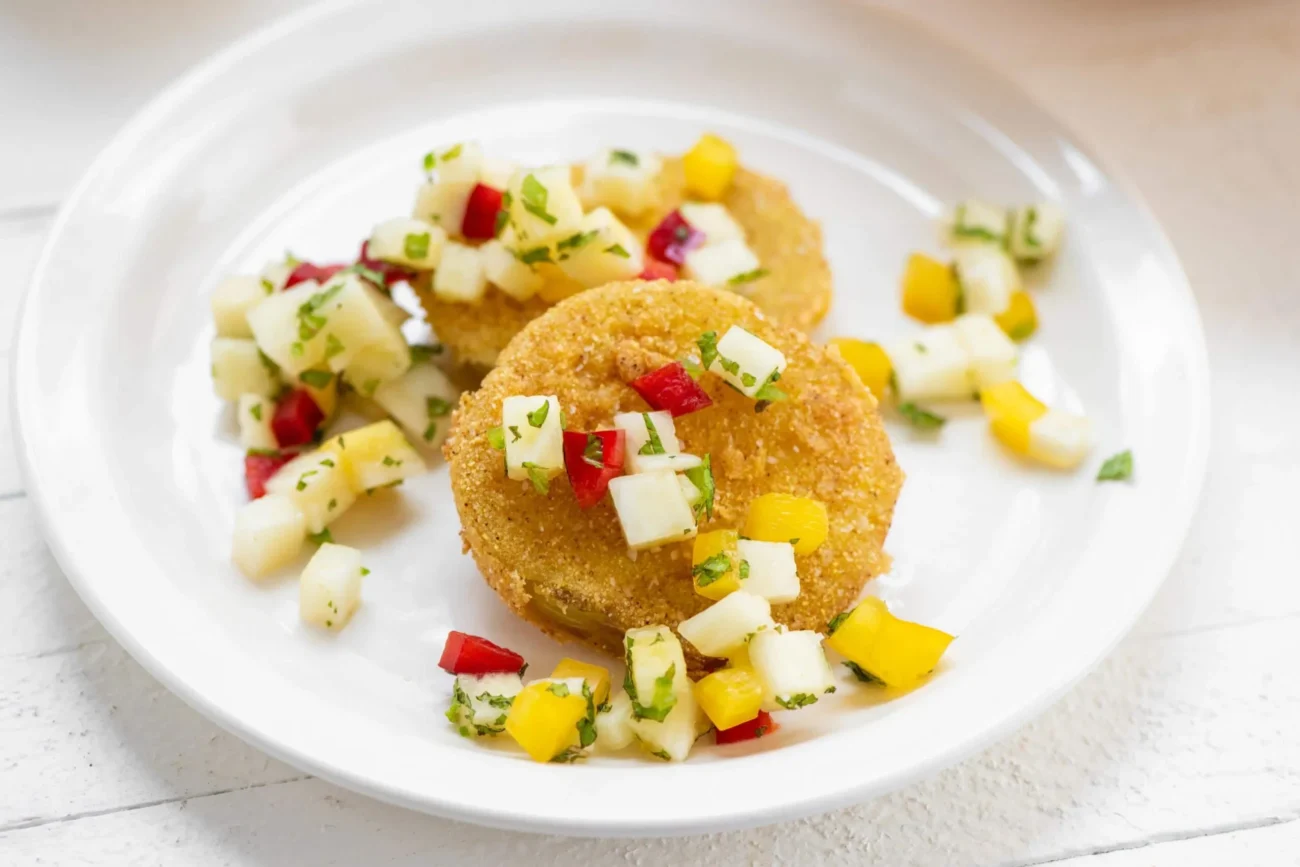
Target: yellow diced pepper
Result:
[[597, 677], [544, 720], [730, 697], [715, 563], [739, 658], [930, 290], [1011, 409], [884, 648], [710, 165], [786, 518], [1019, 320], [869, 360]]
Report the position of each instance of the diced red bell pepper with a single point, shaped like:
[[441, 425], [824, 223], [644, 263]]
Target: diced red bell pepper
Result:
[[390, 272], [480, 222], [671, 388], [296, 418], [260, 466], [657, 269], [469, 654], [747, 731], [591, 460], [307, 271], [673, 238]]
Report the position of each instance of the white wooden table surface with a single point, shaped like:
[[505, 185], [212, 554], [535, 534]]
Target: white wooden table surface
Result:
[[1182, 749]]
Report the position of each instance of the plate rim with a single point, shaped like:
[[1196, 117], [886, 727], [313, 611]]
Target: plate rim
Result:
[[23, 391]]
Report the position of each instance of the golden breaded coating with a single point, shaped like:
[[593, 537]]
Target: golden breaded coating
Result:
[[796, 291], [569, 570]]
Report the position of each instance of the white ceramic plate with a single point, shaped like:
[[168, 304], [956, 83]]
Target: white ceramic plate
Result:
[[306, 134]]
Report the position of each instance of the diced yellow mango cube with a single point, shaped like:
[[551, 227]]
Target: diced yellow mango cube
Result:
[[739, 658], [544, 719], [885, 648], [931, 293], [710, 165], [1011, 409], [869, 360], [715, 563], [730, 697], [596, 677], [786, 518], [1020, 319]]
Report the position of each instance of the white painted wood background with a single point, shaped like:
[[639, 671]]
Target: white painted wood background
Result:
[[1182, 749]]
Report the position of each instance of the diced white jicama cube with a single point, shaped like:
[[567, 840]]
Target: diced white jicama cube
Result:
[[317, 484], [714, 220], [231, 301], [479, 705], [496, 172], [255, 413], [933, 365], [421, 401], [747, 362], [375, 456], [1036, 231], [238, 369], [672, 463], [408, 241], [720, 264], [792, 666], [614, 726], [978, 221], [772, 573], [329, 590], [692, 494], [651, 432], [1060, 438], [992, 354], [656, 669], [276, 274], [988, 278], [601, 251], [624, 180], [269, 534], [673, 738], [504, 270], [725, 626], [534, 435], [543, 205], [442, 202], [652, 509], [376, 364], [460, 275]]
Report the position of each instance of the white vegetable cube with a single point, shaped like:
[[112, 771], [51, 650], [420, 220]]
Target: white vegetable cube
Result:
[[375, 456], [543, 205], [614, 726], [269, 533], [651, 509], [656, 670], [421, 401], [648, 433], [238, 369], [792, 666], [747, 362], [408, 241], [988, 278], [673, 463], [460, 275], [1036, 231], [725, 626], [443, 201], [673, 738], [254, 412], [504, 271], [601, 251], [496, 172], [714, 220], [992, 354], [329, 590], [772, 573], [377, 364], [722, 263], [534, 436], [624, 180], [1060, 438], [231, 301], [978, 221], [933, 365], [317, 484], [479, 705]]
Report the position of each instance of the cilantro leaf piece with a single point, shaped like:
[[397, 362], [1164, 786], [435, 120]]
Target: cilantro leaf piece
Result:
[[452, 152], [416, 245], [744, 569], [708, 344], [430, 162], [421, 352], [575, 241], [732, 367], [593, 452], [320, 538], [496, 438], [796, 701], [537, 475], [862, 674], [537, 417], [515, 435], [748, 277], [535, 255], [618, 250], [654, 445], [535, 196], [1117, 468], [625, 157], [436, 407], [559, 690], [333, 346], [316, 378], [921, 418], [702, 478], [710, 570], [837, 621], [256, 411]]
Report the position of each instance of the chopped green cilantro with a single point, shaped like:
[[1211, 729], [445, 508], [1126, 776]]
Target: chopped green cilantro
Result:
[[271, 367], [862, 674], [421, 352], [747, 379], [256, 411], [1117, 468], [559, 690], [390, 462], [452, 152], [662, 754], [920, 347], [535, 255], [436, 407], [837, 621], [267, 286], [748, 277], [537, 475], [320, 538], [581, 239], [430, 162], [654, 445], [537, 417], [702, 478], [516, 436], [334, 504], [744, 569], [369, 387], [625, 157], [593, 452], [503, 217], [316, 378], [796, 701], [618, 250], [364, 571], [327, 463], [920, 418], [333, 346], [708, 344], [416, 245], [535, 196], [769, 393], [302, 480], [310, 319], [710, 570]]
